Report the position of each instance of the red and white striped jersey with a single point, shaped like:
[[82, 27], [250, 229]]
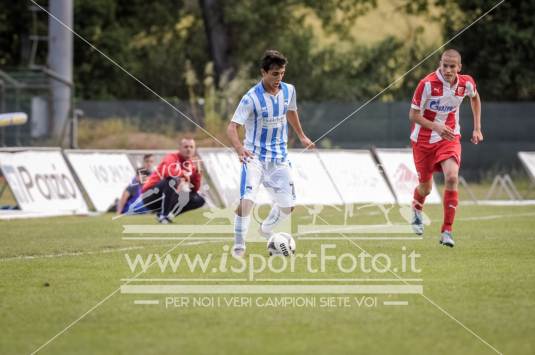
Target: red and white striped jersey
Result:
[[440, 101]]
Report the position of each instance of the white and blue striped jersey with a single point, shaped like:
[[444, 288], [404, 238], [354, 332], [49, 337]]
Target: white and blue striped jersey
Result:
[[264, 118]]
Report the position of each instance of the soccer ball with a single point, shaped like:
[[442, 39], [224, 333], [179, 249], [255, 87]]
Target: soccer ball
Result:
[[281, 244]]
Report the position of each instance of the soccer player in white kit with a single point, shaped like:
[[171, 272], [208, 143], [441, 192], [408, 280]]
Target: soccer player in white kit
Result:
[[265, 111]]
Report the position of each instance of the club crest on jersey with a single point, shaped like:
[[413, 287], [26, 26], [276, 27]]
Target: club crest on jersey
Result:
[[436, 106], [460, 90]]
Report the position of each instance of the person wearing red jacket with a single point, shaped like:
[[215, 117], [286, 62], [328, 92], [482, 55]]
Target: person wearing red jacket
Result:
[[173, 187]]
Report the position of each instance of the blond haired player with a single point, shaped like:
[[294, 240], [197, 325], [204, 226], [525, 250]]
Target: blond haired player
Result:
[[436, 136]]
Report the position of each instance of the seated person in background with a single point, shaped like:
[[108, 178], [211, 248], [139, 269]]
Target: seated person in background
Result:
[[148, 163], [130, 203], [173, 187]]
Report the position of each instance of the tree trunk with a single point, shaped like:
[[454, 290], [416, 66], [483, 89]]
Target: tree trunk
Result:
[[218, 41]]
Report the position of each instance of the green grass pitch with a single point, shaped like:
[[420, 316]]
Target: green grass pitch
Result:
[[54, 270]]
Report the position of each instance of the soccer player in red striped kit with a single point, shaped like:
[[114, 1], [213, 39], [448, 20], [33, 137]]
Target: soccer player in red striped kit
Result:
[[436, 136]]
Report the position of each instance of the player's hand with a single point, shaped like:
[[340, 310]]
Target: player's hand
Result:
[[477, 136], [244, 154], [184, 186], [307, 143], [444, 131]]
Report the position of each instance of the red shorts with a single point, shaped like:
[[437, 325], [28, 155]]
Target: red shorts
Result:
[[428, 156]]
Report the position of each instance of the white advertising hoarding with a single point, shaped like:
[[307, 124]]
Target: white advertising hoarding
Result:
[[312, 183], [104, 176], [356, 176], [224, 169], [42, 182], [528, 159], [398, 166]]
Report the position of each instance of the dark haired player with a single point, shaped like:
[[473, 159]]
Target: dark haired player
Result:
[[265, 111]]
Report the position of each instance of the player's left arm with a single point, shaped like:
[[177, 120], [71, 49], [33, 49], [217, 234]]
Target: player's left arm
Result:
[[293, 118], [475, 102]]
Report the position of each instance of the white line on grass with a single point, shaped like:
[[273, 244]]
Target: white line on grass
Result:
[[96, 252], [81, 253], [406, 73], [497, 216]]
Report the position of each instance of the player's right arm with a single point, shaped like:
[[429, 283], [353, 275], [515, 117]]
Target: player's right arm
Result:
[[415, 114], [242, 114], [232, 133]]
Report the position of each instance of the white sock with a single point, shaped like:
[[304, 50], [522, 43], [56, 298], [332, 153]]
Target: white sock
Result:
[[275, 217], [241, 225]]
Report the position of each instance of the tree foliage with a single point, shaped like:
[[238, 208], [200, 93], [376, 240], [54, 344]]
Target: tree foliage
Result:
[[166, 41], [498, 50]]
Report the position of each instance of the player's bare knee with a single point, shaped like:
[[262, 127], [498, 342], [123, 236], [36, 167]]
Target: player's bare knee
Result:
[[425, 189], [244, 208], [239, 210], [451, 180]]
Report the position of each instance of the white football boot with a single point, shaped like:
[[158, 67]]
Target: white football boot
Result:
[[417, 223], [447, 239], [238, 251]]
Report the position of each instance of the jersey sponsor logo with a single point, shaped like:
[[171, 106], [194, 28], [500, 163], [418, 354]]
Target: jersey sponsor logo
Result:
[[271, 122], [436, 106]]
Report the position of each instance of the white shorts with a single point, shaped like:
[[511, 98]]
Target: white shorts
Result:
[[275, 176]]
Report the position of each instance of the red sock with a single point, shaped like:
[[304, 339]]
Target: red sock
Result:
[[451, 199], [418, 200]]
